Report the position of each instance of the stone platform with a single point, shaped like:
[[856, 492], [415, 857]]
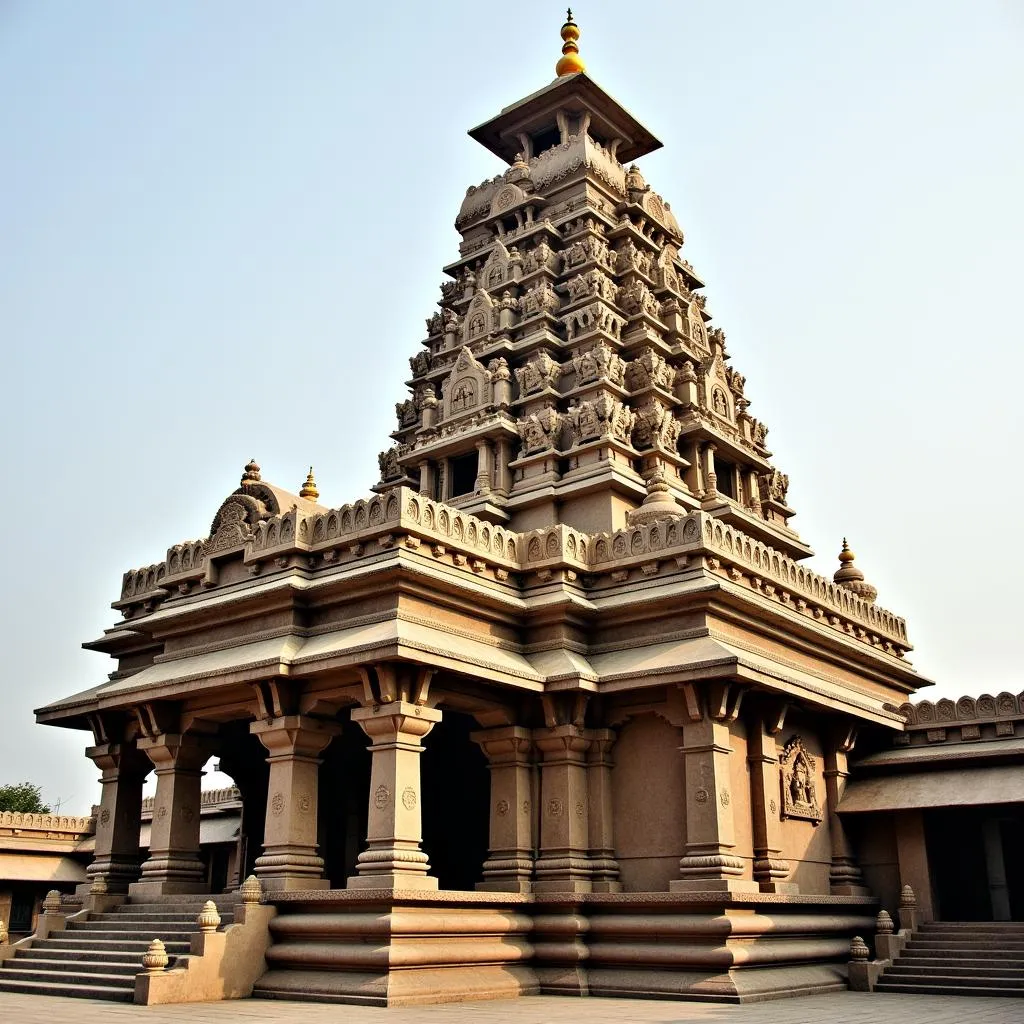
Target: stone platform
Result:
[[385, 948]]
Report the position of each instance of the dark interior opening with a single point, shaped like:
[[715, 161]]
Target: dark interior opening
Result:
[[463, 470], [964, 888], [244, 758], [343, 802], [725, 473], [547, 139], [456, 789]]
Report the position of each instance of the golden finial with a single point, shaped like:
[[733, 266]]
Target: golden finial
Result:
[[252, 473], [846, 555], [570, 64], [309, 487], [851, 577]]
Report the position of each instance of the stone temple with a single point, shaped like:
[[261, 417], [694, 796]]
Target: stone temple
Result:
[[558, 708]]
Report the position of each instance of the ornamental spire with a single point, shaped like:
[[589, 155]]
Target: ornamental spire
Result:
[[309, 487], [252, 473], [570, 63], [850, 577]]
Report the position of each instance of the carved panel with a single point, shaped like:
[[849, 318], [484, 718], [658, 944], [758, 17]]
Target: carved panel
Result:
[[799, 789]]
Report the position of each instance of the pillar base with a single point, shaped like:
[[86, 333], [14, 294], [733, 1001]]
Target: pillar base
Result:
[[393, 880], [168, 887], [563, 885], [512, 885], [781, 888], [291, 883], [850, 890], [730, 885], [606, 887]]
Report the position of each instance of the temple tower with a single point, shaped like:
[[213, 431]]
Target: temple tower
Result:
[[570, 373]]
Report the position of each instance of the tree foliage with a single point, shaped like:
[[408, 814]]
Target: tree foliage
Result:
[[24, 797]]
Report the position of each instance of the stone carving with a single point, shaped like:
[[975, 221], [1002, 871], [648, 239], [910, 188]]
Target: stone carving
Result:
[[540, 431], [598, 363], [541, 298], [594, 317], [629, 257], [695, 327], [604, 417], [648, 369], [656, 427], [774, 485], [407, 413], [636, 298], [408, 798], [540, 372], [799, 793], [381, 797], [467, 386], [594, 283], [479, 318]]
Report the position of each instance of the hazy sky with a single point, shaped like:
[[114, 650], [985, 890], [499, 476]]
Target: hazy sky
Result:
[[223, 225]]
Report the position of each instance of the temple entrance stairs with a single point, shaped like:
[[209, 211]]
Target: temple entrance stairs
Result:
[[98, 958], [960, 958]]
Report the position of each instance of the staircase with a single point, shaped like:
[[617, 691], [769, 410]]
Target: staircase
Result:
[[960, 958], [99, 958]]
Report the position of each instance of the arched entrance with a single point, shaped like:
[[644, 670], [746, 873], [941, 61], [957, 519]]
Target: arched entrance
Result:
[[456, 787]]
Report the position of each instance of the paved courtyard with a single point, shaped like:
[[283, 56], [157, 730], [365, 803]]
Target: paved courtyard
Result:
[[837, 1008]]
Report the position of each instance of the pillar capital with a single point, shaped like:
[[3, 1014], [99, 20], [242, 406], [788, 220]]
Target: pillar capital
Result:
[[173, 751], [505, 744], [294, 735], [396, 722], [114, 758]]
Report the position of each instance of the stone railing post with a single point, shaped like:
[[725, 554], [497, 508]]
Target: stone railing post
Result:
[[393, 858], [115, 863], [604, 866], [294, 743], [509, 864]]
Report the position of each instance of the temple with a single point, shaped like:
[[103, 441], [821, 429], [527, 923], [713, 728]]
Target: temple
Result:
[[557, 708]]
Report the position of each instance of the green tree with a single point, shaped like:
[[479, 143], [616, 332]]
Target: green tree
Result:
[[22, 796]]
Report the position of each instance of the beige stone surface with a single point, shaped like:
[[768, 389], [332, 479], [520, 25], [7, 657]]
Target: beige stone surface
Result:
[[837, 1008]]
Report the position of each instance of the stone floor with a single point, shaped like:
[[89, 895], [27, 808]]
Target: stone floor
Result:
[[837, 1008]]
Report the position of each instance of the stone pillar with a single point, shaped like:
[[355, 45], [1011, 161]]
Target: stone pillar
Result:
[[995, 865], [294, 742], [174, 865], [393, 858], [912, 858], [710, 477], [427, 482], [502, 476], [770, 869], [844, 875], [564, 864], [753, 492], [116, 859], [482, 484], [509, 864], [604, 867], [709, 863]]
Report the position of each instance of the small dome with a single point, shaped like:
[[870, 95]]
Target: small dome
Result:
[[850, 577]]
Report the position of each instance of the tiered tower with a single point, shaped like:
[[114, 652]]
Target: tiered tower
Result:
[[570, 374]]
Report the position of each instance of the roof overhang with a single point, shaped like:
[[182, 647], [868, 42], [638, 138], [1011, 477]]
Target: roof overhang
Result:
[[575, 93], [962, 787]]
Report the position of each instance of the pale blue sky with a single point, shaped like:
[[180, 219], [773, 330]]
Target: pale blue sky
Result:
[[223, 224]]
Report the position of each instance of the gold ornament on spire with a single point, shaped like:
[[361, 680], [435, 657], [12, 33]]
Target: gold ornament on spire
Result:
[[570, 63], [309, 490], [850, 577]]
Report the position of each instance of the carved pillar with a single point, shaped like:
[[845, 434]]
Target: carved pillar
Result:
[[427, 480], [502, 476], [753, 492], [294, 743], [710, 476], [444, 477], [564, 864], [709, 863], [604, 866], [912, 858], [124, 770], [393, 858], [174, 865], [509, 864], [844, 875], [482, 484], [770, 869]]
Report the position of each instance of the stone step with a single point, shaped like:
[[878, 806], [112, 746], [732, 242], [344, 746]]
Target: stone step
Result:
[[998, 926], [1014, 979], [126, 981], [111, 993], [992, 963], [84, 955], [964, 943], [958, 953], [39, 963], [130, 927], [138, 946], [152, 915], [1013, 969], [939, 989]]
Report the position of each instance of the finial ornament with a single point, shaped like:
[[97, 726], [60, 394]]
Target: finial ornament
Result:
[[850, 577], [252, 473], [570, 63], [309, 487]]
